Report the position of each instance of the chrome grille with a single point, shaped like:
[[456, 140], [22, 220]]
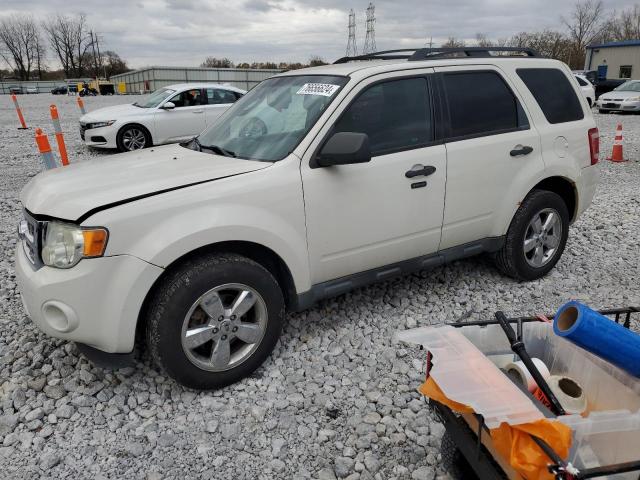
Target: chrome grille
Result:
[[30, 233]]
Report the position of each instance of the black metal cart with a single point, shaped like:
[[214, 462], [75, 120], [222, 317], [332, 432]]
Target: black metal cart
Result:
[[467, 450]]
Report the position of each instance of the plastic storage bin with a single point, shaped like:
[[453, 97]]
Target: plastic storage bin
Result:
[[609, 432]]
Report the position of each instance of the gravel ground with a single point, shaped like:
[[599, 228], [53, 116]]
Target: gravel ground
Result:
[[336, 398]]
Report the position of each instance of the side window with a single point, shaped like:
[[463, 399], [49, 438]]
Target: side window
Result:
[[396, 115], [581, 82], [188, 98], [553, 92], [217, 96], [625, 71], [481, 103]]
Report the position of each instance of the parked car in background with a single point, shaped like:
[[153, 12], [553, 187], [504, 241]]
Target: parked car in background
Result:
[[318, 181], [59, 90], [600, 85], [170, 114], [31, 89], [625, 98], [587, 89], [16, 90]]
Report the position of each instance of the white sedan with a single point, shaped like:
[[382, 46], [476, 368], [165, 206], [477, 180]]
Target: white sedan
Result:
[[587, 89], [170, 114]]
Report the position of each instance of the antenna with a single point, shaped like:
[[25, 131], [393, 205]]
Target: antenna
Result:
[[370, 39], [352, 49]]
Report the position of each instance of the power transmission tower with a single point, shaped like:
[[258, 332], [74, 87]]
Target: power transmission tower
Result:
[[370, 39], [352, 49]]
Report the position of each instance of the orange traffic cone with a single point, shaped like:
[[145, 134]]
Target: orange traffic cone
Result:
[[616, 154]]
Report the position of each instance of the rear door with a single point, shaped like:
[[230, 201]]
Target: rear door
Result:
[[186, 120], [218, 100], [492, 152]]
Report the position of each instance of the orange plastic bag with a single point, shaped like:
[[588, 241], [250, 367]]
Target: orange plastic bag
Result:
[[513, 442]]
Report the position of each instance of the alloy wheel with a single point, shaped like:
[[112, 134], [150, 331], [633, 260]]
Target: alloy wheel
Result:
[[134, 139], [224, 327], [542, 237]]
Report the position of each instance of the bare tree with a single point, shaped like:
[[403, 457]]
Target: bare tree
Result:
[[113, 64], [316, 61], [584, 26], [70, 41], [625, 26], [483, 41], [213, 62], [19, 44], [453, 42]]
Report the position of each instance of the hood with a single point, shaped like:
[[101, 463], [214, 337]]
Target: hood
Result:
[[112, 113], [619, 95], [71, 192]]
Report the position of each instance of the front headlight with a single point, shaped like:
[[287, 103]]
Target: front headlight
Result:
[[108, 123], [633, 99], [66, 244]]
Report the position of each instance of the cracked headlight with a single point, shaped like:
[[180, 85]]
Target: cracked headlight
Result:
[[66, 244]]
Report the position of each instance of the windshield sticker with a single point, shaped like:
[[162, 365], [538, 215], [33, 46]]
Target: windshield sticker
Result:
[[324, 89]]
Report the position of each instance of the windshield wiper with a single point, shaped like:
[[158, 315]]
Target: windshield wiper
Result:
[[215, 149]]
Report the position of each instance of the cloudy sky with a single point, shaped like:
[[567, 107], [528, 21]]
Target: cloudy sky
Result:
[[184, 32]]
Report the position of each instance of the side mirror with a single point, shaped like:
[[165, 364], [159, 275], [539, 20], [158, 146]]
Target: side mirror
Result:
[[344, 148], [169, 106]]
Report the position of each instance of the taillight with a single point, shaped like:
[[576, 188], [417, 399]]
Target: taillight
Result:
[[594, 144]]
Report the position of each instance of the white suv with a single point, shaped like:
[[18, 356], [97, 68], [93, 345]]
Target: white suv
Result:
[[315, 182]]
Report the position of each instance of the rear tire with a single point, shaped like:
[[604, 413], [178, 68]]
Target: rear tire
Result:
[[536, 237], [192, 331]]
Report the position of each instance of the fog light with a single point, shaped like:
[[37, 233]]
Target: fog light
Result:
[[59, 316]]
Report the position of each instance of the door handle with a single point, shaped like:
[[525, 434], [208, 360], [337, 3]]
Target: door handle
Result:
[[198, 111], [420, 170], [521, 150]]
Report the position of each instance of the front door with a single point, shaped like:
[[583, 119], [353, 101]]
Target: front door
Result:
[[184, 121], [364, 216]]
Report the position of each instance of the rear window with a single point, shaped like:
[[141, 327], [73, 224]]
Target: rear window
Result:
[[481, 103], [553, 92]]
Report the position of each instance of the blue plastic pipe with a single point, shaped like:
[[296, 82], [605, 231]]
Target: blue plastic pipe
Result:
[[599, 335]]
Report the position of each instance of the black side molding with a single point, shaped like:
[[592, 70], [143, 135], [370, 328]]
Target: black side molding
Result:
[[342, 285]]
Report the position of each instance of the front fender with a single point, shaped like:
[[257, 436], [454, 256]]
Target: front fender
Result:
[[263, 207]]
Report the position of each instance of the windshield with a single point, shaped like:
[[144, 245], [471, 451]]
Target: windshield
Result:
[[632, 86], [156, 98], [269, 121]]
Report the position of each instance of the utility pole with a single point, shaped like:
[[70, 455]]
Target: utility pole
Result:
[[104, 68], [370, 39], [95, 59], [430, 42], [352, 49]]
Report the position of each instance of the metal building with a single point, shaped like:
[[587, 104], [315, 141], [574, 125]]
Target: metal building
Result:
[[152, 78], [615, 60]]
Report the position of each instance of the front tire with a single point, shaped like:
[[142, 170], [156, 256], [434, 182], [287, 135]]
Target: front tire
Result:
[[133, 137], [214, 320], [536, 237]]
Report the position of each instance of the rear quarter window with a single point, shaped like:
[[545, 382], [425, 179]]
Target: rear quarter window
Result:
[[554, 93]]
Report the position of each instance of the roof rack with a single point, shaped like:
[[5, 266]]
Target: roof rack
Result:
[[416, 54]]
